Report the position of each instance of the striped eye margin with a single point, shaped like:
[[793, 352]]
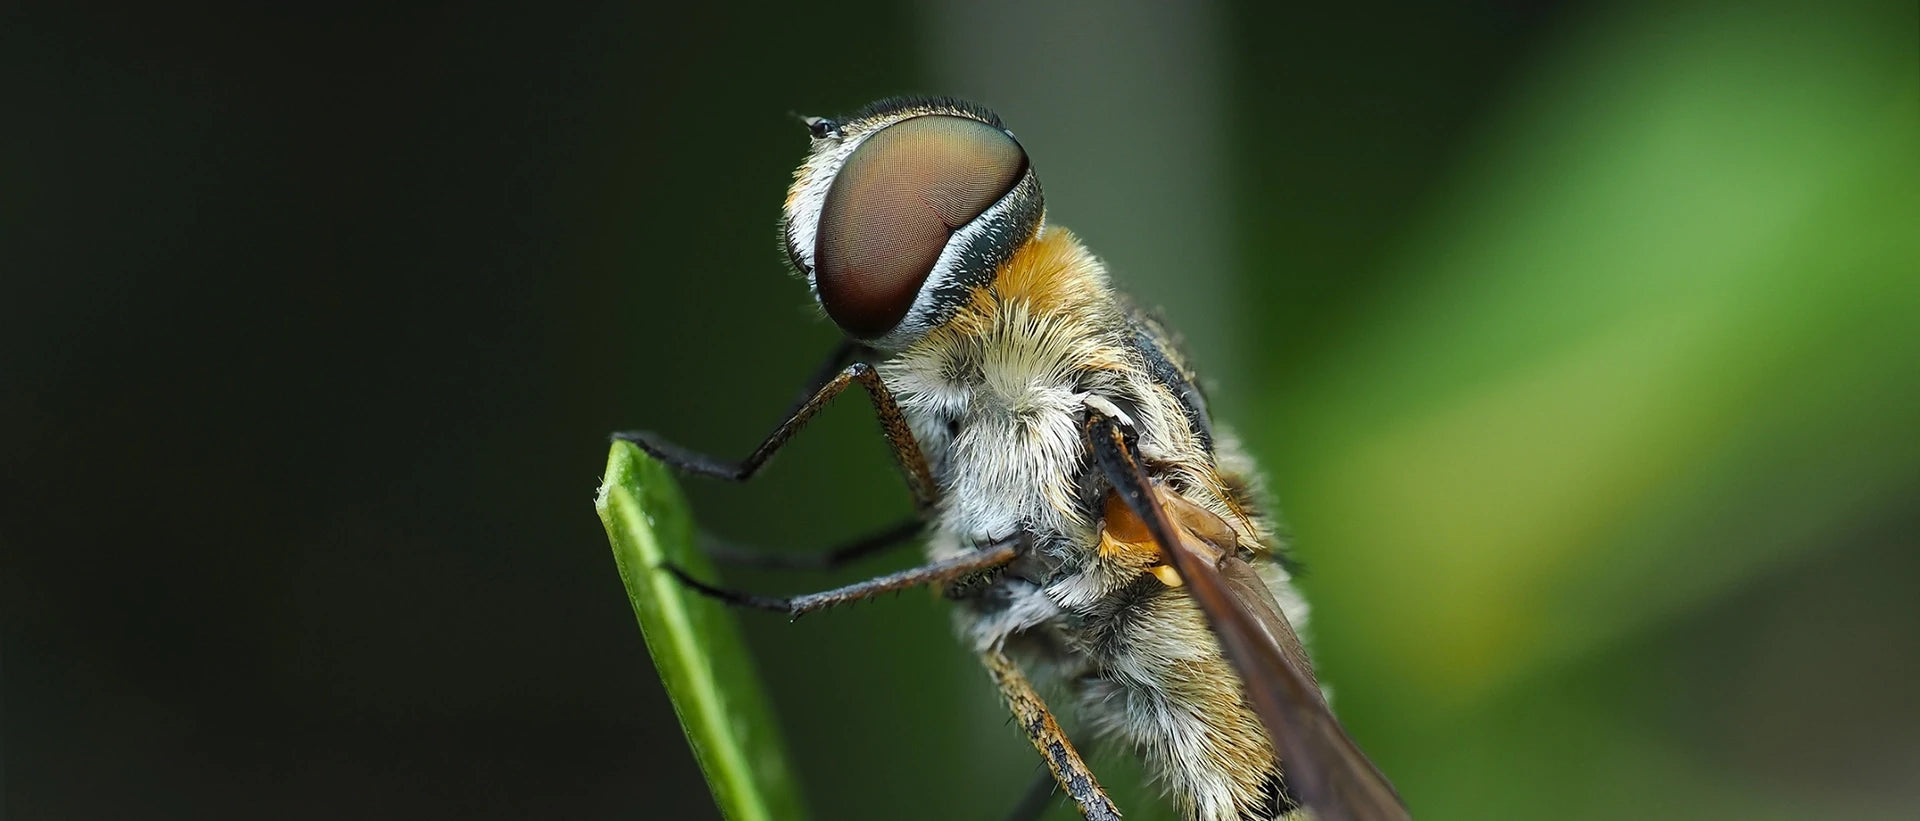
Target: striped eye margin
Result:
[[894, 205]]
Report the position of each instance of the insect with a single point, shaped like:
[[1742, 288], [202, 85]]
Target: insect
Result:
[[1090, 522]]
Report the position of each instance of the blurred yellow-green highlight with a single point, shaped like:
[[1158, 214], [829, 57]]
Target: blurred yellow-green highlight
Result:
[[1593, 484]]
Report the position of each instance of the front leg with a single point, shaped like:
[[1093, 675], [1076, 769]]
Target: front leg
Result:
[[893, 423]]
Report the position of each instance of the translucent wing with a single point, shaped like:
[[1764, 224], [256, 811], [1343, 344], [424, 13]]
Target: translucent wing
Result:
[[1321, 764]]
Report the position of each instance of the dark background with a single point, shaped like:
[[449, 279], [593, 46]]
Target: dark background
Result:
[[1579, 341]]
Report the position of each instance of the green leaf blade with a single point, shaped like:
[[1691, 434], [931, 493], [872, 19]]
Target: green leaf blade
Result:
[[695, 643]]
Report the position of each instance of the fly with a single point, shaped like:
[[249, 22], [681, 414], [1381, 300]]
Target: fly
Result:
[[1078, 503]]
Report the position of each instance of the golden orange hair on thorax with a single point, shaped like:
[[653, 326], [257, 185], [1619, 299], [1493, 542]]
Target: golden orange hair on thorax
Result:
[[1052, 271], [1051, 278]]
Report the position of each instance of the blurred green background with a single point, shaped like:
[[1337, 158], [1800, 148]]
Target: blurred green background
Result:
[[1578, 340]]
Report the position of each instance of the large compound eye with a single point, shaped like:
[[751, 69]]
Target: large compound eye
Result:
[[892, 208]]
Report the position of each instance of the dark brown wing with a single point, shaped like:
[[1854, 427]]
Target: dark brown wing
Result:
[[1320, 762], [1250, 591]]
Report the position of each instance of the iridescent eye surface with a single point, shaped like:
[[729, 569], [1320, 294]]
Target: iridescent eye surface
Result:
[[893, 206]]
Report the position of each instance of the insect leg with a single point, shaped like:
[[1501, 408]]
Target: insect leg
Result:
[[862, 547], [906, 450], [991, 556], [1068, 769], [842, 355], [1038, 798]]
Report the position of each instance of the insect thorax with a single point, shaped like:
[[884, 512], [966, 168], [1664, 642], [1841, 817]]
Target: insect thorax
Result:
[[997, 398]]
